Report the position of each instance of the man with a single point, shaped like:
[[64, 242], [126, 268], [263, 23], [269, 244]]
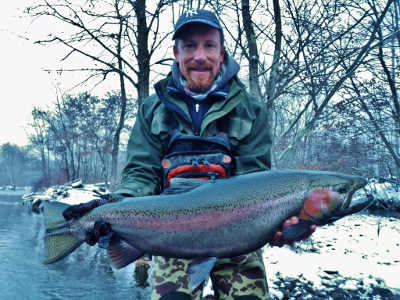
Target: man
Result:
[[200, 123]]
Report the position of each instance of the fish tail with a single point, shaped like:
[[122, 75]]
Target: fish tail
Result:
[[59, 241]]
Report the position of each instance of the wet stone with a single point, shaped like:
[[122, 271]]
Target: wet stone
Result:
[[331, 272]]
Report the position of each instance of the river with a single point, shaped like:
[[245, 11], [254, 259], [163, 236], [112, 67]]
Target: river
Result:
[[85, 274]]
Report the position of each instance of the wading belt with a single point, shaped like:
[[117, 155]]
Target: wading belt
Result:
[[190, 156]]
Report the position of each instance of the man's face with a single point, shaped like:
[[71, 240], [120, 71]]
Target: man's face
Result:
[[199, 55]]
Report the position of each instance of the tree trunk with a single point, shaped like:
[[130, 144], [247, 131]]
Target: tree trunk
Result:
[[121, 123], [253, 58], [143, 51]]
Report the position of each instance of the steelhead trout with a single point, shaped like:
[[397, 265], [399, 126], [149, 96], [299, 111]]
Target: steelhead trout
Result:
[[215, 219]]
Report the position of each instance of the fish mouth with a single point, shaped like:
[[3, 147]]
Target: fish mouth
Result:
[[349, 205], [346, 203]]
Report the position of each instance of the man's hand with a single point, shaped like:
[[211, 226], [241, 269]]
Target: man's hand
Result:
[[100, 233], [280, 240], [77, 211]]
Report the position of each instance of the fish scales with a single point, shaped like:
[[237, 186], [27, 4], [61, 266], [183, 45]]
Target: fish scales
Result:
[[204, 221], [221, 218]]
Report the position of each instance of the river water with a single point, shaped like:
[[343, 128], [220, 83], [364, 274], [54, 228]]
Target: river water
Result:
[[85, 274]]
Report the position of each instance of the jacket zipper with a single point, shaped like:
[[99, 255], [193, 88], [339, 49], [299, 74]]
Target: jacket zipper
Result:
[[176, 108]]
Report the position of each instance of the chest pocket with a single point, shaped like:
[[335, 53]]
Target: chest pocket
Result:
[[163, 124], [236, 127]]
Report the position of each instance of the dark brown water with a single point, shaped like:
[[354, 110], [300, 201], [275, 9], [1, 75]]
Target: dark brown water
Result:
[[85, 274]]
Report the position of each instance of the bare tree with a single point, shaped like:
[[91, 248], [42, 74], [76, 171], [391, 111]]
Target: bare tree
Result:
[[13, 160], [39, 138], [109, 36], [322, 58], [373, 93]]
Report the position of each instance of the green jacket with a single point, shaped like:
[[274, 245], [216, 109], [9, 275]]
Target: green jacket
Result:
[[243, 118]]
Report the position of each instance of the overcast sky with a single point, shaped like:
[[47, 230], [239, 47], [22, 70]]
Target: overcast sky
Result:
[[23, 82]]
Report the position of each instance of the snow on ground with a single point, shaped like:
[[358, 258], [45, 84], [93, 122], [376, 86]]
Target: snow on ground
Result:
[[386, 194], [357, 251], [70, 193], [80, 195], [357, 257]]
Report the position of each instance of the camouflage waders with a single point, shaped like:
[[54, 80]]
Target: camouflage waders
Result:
[[231, 277]]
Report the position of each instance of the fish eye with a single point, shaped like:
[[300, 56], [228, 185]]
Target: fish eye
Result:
[[341, 189]]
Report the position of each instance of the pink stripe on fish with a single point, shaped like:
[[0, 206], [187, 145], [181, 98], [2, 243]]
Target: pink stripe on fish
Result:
[[205, 220]]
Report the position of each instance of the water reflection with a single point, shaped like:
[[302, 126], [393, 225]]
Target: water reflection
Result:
[[85, 274]]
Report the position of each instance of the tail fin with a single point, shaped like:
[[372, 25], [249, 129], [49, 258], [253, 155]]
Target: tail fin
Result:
[[59, 242]]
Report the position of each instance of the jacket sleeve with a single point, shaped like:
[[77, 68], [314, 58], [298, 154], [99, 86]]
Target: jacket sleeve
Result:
[[253, 153], [142, 174]]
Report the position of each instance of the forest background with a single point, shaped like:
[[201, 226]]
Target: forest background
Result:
[[327, 71]]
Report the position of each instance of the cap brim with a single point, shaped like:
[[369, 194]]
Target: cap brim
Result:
[[200, 21]]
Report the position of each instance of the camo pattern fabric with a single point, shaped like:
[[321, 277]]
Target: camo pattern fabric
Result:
[[231, 277]]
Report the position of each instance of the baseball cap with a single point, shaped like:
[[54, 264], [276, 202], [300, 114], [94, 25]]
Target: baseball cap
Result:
[[196, 16]]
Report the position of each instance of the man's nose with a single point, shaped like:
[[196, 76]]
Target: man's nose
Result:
[[200, 55]]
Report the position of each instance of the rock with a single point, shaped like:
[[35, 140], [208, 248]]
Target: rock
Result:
[[276, 294], [37, 206], [350, 285], [77, 184], [28, 196], [331, 272]]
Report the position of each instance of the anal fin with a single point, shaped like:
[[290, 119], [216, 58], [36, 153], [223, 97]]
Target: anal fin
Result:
[[199, 270]]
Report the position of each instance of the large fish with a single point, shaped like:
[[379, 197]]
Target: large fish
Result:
[[216, 219]]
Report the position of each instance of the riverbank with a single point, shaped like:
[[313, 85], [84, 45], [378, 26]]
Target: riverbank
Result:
[[19, 191]]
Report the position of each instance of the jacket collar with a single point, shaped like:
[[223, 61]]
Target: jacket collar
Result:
[[175, 102]]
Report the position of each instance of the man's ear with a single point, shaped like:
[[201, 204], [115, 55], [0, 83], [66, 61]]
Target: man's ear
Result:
[[176, 52], [223, 53]]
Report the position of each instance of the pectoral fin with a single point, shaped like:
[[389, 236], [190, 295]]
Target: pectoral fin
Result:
[[122, 254], [199, 270]]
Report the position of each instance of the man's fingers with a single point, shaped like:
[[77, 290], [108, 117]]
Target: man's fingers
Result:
[[90, 238], [276, 239], [100, 229], [279, 240], [293, 220], [278, 236]]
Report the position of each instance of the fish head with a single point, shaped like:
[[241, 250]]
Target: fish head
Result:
[[331, 198]]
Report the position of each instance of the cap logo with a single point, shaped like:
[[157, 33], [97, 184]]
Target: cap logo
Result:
[[191, 12]]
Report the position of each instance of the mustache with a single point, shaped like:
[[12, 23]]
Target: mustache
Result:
[[199, 67]]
